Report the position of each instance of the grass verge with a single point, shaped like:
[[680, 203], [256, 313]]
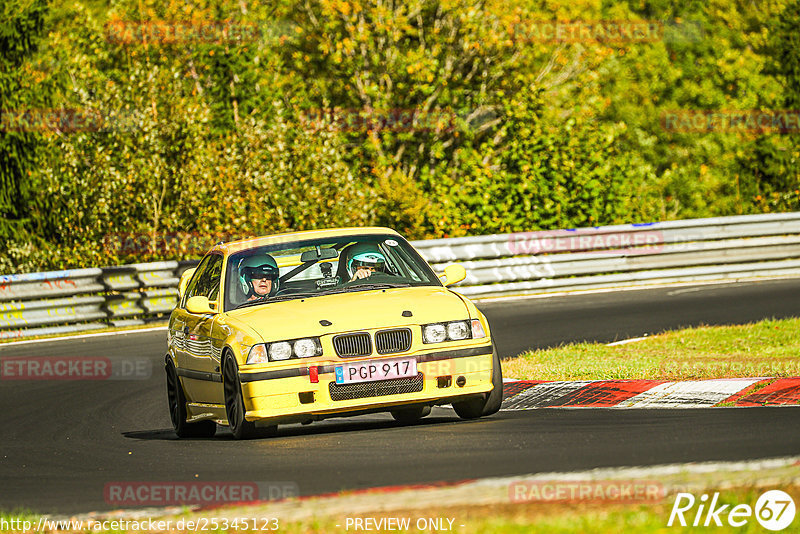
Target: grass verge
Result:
[[552, 517], [767, 348]]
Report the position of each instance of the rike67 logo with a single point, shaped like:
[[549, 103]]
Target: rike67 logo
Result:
[[774, 510]]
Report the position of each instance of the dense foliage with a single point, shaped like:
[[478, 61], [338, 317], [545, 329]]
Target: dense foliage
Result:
[[147, 129]]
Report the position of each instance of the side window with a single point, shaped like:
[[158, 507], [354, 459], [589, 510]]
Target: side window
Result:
[[399, 256], [191, 288], [208, 282], [215, 273]]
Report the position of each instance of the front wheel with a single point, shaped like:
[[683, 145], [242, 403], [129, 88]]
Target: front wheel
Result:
[[234, 404], [177, 409], [489, 403]]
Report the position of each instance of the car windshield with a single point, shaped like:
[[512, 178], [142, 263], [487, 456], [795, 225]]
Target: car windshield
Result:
[[311, 268]]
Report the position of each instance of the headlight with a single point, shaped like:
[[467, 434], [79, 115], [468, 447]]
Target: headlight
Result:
[[281, 350], [451, 331], [434, 333], [457, 330], [306, 348], [258, 354]]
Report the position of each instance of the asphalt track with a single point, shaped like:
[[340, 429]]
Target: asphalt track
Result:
[[63, 442]]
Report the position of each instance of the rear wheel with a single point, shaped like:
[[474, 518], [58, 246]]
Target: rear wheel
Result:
[[234, 404], [408, 416], [487, 404], [177, 409]]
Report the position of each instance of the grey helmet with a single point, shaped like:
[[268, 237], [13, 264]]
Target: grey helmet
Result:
[[256, 268], [366, 255]]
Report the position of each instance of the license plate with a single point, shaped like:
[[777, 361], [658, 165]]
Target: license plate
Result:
[[370, 371]]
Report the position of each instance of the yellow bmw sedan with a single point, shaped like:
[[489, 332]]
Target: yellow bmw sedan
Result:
[[300, 327]]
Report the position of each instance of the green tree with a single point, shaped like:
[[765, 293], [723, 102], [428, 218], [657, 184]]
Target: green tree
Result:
[[21, 25], [773, 161], [783, 49]]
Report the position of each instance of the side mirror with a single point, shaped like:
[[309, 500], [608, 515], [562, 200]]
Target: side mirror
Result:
[[185, 277], [454, 274], [199, 305]]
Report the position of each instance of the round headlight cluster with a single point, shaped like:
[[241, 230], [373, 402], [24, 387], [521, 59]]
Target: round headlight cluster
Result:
[[457, 330], [305, 348], [281, 350], [435, 333], [452, 331]]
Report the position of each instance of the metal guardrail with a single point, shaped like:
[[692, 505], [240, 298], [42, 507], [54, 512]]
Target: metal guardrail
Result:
[[86, 299], [719, 248], [51, 284]]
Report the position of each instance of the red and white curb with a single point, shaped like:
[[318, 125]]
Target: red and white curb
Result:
[[530, 394]]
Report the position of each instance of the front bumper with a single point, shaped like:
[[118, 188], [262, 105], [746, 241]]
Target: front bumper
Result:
[[289, 395]]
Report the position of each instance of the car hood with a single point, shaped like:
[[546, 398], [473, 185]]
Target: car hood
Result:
[[351, 311]]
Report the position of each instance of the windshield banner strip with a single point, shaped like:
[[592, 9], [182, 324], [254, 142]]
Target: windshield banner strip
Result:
[[330, 369]]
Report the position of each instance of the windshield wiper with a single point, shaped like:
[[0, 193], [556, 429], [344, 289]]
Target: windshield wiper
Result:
[[365, 287], [290, 296], [362, 287], [277, 298]]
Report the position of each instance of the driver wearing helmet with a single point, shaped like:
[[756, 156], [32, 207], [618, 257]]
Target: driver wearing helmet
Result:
[[364, 262], [258, 277]]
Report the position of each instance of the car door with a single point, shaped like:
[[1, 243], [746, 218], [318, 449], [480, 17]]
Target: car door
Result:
[[177, 336], [203, 338]]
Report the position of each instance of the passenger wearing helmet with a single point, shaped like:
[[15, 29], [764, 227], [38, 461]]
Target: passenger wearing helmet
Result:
[[258, 276], [365, 260]]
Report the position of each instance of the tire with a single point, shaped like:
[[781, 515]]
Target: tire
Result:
[[177, 409], [409, 416], [234, 404], [495, 398], [489, 403]]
